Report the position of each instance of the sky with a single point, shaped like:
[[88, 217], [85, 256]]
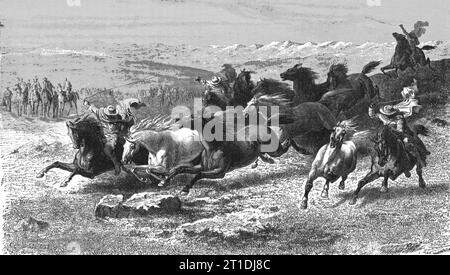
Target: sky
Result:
[[208, 22]]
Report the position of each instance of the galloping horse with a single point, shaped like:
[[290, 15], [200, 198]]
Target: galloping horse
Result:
[[403, 56], [90, 159], [349, 93], [242, 88], [168, 145], [335, 160], [391, 159], [304, 81], [307, 125]]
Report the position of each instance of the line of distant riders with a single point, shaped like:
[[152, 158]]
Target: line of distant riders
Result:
[[33, 99], [314, 119]]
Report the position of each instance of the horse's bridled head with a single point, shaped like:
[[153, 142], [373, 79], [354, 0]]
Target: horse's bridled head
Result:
[[337, 137], [129, 149], [73, 134]]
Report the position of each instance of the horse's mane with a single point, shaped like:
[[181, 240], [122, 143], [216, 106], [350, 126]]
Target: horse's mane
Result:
[[270, 92], [158, 124], [351, 131], [307, 73], [339, 68], [272, 87], [89, 124]]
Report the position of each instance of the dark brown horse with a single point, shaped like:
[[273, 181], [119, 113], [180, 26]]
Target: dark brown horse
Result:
[[305, 87], [219, 96], [307, 125], [242, 88], [391, 159], [90, 160], [403, 57], [349, 94]]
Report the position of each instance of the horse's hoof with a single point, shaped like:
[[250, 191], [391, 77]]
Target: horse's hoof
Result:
[[40, 175], [304, 204], [384, 189], [162, 183], [407, 174], [341, 186], [254, 166], [324, 194], [353, 201], [64, 183], [184, 193], [422, 184]]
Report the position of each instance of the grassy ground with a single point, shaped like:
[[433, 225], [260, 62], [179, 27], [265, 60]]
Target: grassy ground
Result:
[[251, 211]]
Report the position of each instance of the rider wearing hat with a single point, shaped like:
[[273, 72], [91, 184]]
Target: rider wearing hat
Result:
[[115, 121], [391, 116], [413, 40], [113, 127], [217, 83]]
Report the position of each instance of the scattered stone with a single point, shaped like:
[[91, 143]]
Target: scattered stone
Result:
[[400, 248], [139, 205], [246, 223], [32, 224]]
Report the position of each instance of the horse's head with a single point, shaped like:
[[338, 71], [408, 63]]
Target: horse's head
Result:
[[337, 136], [74, 134], [337, 74], [130, 148], [292, 73], [215, 97], [84, 131], [398, 36]]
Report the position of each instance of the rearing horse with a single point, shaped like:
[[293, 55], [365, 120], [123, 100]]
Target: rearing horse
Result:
[[90, 159]]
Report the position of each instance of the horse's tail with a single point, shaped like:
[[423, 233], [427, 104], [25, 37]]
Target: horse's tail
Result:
[[420, 129], [428, 48], [369, 67]]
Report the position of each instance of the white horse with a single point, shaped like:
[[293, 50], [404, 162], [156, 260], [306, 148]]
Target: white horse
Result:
[[335, 160]]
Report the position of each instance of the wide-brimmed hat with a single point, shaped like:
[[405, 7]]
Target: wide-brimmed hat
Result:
[[216, 80], [110, 111], [388, 110]]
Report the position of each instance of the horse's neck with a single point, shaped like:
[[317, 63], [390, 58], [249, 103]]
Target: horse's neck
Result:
[[303, 88], [148, 139]]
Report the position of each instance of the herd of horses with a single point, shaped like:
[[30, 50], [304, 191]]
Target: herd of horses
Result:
[[32, 99], [316, 119]]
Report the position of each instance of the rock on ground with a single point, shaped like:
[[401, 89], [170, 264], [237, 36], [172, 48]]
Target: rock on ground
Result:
[[139, 205]]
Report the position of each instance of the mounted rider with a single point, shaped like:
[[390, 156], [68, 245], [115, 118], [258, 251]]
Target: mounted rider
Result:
[[7, 98], [115, 121], [47, 85], [36, 86], [413, 41], [67, 86], [395, 116]]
